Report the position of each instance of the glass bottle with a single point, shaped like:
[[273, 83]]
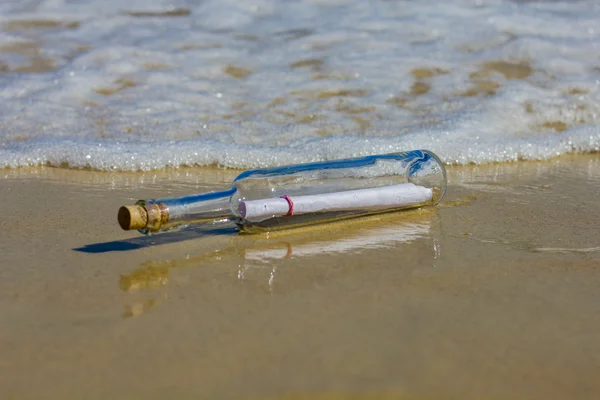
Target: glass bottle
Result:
[[268, 199]]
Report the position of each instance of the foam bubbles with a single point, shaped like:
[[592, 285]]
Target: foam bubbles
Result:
[[116, 85]]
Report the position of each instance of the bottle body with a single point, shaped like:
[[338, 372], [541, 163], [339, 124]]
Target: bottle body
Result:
[[304, 194], [270, 199]]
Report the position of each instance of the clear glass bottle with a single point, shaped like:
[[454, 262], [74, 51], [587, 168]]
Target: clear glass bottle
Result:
[[269, 199]]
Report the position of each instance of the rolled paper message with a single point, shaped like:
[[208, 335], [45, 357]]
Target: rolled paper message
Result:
[[381, 198]]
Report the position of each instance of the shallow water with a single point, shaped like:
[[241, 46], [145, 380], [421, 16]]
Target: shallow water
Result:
[[492, 294], [145, 84]]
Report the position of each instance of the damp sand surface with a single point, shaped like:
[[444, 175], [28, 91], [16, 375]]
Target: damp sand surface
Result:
[[493, 294]]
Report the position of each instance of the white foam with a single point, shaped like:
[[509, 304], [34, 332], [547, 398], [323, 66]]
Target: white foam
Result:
[[156, 91]]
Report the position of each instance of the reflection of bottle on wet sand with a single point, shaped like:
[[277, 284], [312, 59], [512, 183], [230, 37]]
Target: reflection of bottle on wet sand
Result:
[[246, 252], [149, 277], [144, 278], [382, 237]]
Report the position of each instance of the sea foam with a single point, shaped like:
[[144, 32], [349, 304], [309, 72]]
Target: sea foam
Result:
[[142, 85]]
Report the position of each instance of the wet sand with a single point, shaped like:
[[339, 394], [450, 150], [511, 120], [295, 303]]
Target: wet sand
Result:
[[493, 294]]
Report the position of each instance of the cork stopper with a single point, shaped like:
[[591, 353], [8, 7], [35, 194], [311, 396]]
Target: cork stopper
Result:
[[132, 217]]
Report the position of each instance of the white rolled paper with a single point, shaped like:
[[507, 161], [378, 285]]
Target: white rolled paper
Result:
[[394, 196]]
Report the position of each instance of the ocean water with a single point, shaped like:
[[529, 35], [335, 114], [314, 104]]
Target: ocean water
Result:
[[141, 85]]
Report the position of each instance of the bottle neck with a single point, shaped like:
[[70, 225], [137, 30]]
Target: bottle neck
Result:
[[165, 214]]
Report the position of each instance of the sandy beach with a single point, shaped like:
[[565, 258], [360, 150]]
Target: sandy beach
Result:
[[492, 294]]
